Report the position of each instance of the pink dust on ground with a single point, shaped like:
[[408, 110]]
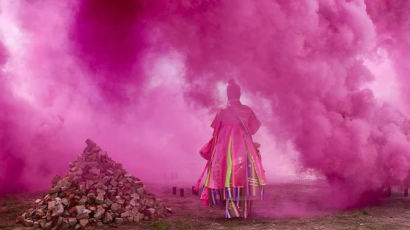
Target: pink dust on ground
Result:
[[144, 79]]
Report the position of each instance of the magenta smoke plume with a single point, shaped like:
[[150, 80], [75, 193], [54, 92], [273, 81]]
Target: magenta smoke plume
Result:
[[309, 60], [92, 69]]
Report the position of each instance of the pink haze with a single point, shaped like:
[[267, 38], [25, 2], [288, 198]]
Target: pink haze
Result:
[[141, 78]]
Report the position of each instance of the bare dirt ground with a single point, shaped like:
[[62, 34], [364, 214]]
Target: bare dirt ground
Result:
[[188, 213]]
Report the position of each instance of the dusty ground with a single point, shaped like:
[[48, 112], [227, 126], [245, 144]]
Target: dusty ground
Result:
[[391, 213]]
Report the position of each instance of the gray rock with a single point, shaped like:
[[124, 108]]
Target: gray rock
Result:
[[58, 210], [72, 221], [39, 213], [100, 198], [79, 209], [151, 211], [108, 202], [115, 207], [84, 215], [99, 213], [48, 225], [138, 217], [140, 191], [125, 214], [28, 223], [51, 205], [95, 171], [64, 201], [84, 222], [42, 223], [119, 220], [107, 218], [83, 200]]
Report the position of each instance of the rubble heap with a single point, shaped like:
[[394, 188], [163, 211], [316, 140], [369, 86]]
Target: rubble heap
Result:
[[95, 191]]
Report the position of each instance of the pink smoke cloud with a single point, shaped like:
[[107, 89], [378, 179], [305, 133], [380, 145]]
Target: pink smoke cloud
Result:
[[139, 77], [54, 99], [307, 59]]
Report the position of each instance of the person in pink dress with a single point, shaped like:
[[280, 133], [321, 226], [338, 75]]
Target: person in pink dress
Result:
[[234, 175]]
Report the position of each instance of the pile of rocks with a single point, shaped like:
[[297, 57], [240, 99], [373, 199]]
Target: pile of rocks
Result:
[[95, 191]]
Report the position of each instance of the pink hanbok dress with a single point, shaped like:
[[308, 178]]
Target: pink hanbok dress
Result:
[[235, 175]]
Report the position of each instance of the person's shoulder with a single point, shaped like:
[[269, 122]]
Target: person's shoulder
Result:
[[224, 109], [247, 108], [220, 111]]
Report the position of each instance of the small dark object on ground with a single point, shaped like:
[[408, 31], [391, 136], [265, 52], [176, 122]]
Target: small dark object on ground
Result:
[[194, 191]]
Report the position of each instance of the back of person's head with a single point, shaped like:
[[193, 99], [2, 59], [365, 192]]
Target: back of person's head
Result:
[[233, 91]]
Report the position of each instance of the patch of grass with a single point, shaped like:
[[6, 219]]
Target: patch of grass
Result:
[[365, 212], [359, 213], [187, 224], [173, 225], [159, 225], [9, 212], [376, 227], [234, 224]]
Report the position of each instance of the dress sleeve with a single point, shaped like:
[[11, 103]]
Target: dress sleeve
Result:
[[253, 123], [216, 121]]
